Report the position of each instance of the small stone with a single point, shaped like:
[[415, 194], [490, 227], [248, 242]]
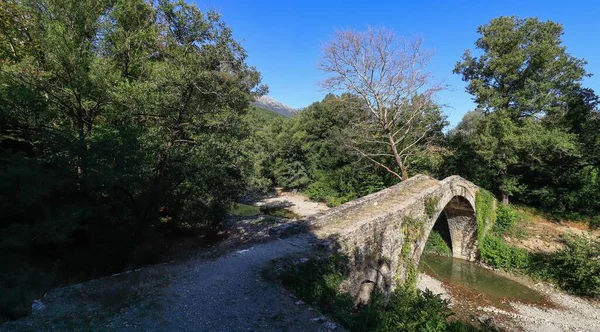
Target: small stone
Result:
[[304, 259], [299, 302], [319, 319], [330, 325], [37, 305]]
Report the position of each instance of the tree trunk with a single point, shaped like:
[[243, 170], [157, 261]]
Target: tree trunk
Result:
[[504, 198], [397, 157], [404, 174]]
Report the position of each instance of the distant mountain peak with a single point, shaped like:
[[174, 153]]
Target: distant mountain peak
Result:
[[274, 105]]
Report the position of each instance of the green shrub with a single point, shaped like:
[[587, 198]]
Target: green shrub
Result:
[[576, 268], [437, 245], [507, 220], [318, 281], [496, 252]]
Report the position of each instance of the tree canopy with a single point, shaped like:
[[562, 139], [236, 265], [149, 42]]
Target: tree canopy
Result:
[[523, 79], [120, 123]]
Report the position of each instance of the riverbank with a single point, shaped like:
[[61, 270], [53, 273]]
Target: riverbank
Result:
[[563, 312]]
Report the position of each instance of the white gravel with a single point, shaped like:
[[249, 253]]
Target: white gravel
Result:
[[576, 314], [435, 286], [298, 204]]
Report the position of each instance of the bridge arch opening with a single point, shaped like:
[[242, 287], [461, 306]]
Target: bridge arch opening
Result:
[[459, 217], [439, 239], [454, 229]]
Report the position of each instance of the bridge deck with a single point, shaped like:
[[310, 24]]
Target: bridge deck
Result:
[[347, 220]]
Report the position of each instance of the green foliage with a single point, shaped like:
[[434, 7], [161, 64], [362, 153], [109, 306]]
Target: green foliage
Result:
[[431, 206], [244, 210], [575, 268], [310, 154], [260, 148], [519, 137], [533, 62], [508, 220], [120, 127], [437, 245], [280, 212], [496, 252], [485, 207], [492, 223], [318, 282]]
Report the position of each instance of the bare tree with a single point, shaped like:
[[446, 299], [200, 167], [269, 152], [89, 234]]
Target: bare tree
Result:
[[388, 73]]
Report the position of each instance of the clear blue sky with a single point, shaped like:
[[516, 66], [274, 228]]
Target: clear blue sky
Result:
[[283, 38]]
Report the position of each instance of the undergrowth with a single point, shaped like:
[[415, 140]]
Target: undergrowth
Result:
[[574, 268], [318, 281], [437, 245]]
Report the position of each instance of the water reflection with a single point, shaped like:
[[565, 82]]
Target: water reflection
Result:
[[468, 274]]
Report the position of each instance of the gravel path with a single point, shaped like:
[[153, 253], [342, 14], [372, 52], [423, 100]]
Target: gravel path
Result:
[[228, 294], [225, 294]]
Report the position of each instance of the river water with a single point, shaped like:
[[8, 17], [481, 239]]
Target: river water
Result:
[[478, 280]]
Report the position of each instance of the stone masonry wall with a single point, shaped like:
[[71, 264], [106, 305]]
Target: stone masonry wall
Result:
[[384, 233]]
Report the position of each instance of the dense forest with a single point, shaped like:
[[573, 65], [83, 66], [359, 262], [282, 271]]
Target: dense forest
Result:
[[126, 124]]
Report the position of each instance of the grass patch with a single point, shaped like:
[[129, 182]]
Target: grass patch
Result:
[[279, 212], [244, 210]]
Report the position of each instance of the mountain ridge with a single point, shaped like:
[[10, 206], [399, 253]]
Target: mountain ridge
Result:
[[274, 105]]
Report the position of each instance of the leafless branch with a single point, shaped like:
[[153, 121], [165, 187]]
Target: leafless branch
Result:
[[389, 74]]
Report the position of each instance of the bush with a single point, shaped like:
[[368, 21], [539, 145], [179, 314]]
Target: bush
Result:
[[576, 268], [496, 252], [507, 220], [407, 311], [318, 282]]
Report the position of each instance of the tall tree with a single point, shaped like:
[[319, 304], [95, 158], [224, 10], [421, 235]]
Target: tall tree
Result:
[[524, 73], [120, 121], [389, 74]]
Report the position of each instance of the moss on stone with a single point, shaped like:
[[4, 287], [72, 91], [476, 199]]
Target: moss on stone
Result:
[[413, 230], [431, 205], [485, 207]]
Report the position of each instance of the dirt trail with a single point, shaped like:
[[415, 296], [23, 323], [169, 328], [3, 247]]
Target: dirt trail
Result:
[[542, 235], [297, 203], [226, 294]]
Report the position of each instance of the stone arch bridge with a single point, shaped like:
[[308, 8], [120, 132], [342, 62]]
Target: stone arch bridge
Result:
[[384, 233]]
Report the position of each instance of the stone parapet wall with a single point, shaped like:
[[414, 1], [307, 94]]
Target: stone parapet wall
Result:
[[384, 233]]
